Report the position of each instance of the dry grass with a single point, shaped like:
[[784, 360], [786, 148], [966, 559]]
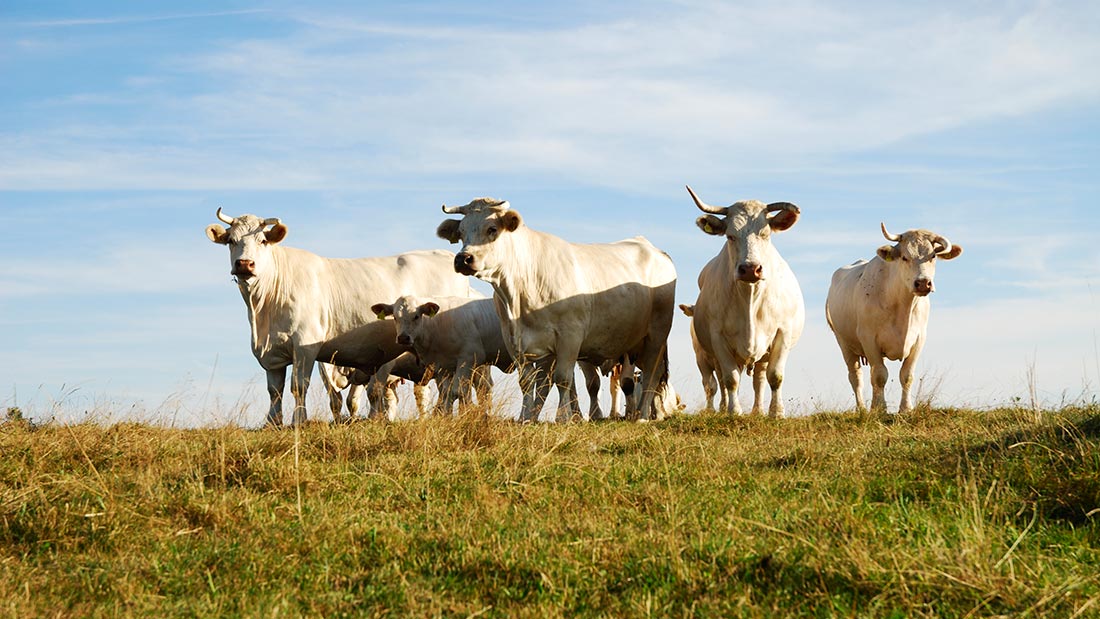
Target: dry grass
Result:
[[940, 513]]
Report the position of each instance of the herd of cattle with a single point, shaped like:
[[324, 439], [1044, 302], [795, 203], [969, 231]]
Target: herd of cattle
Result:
[[606, 307]]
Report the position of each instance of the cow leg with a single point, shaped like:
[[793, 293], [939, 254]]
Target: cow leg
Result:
[[276, 382], [777, 366], [464, 381], [420, 394], [615, 379], [653, 362], [759, 374], [710, 388], [301, 372], [564, 370], [632, 391], [906, 377], [729, 375], [879, 376], [534, 379], [354, 401], [448, 392], [483, 385], [855, 378], [592, 384]]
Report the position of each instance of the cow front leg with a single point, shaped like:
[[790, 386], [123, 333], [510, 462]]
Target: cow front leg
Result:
[[759, 377], [879, 376], [906, 377], [777, 367], [276, 382], [299, 385], [534, 380], [729, 375]]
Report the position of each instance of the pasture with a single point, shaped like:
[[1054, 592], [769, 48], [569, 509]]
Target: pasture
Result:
[[935, 513]]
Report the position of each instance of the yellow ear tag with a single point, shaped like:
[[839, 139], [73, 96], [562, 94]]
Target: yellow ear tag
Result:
[[381, 315], [707, 228]]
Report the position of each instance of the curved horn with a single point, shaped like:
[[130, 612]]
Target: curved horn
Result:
[[945, 245], [893, 238], [706, 208], [226, 219], [783, 206], [272, 221], [454, 210]]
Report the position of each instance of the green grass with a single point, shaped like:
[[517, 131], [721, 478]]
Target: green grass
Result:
[[938, 513]]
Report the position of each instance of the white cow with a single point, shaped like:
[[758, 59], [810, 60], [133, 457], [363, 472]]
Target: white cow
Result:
[[456, 337], [303, 308], [750, 311], [879, 309], [382, 395], [559, 302]]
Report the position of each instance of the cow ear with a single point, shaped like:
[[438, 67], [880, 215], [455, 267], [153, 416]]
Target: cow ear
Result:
[[956, 250], [217, 233], [448, 231], [382, 310], [429, 309], [276, 233], [711, 225], [688, 310], [511, 220], [888, 253], [783, 219]]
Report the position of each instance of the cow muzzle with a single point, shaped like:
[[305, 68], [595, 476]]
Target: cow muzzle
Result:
[[404, 339], [750, 272], [464, 263], [243, 268], [923, 287]]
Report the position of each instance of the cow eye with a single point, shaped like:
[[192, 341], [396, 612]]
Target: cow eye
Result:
[[492, 230], [904, 259]]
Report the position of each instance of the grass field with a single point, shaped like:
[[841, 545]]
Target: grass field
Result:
[[938, 513]]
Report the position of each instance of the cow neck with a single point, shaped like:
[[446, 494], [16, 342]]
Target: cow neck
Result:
[[264, 296], [518, 287], [750, 296], [900, 301]]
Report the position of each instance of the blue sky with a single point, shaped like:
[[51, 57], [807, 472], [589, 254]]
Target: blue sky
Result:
[[123, 126]]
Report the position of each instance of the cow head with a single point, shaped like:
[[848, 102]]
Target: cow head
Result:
[[913, 258], [748, 227], [485, 221], [410, 315], [249, 240]]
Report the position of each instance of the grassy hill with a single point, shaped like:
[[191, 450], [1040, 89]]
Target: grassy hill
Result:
[[939, 513]]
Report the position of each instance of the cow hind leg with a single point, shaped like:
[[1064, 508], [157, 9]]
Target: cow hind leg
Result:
[[534, 379], [855, 378], [302, 371], [592, 384]]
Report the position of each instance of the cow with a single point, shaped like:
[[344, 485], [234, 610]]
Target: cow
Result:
[[878, 309], [560, 302], [456, 336], [382, 394], [337, 378], [750, 311], [708, 368], [303, 308]]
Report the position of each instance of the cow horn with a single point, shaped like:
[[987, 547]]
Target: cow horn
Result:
[[945, 245], [706, 208], [226, 219], [455, 210], [893, 238], [782, 206], [272, 221]]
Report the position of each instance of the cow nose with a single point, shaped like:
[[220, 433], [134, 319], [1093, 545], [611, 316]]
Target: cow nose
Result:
[[404, 339], [750, 272], [923, 286], [244, 267], [464, 263]]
